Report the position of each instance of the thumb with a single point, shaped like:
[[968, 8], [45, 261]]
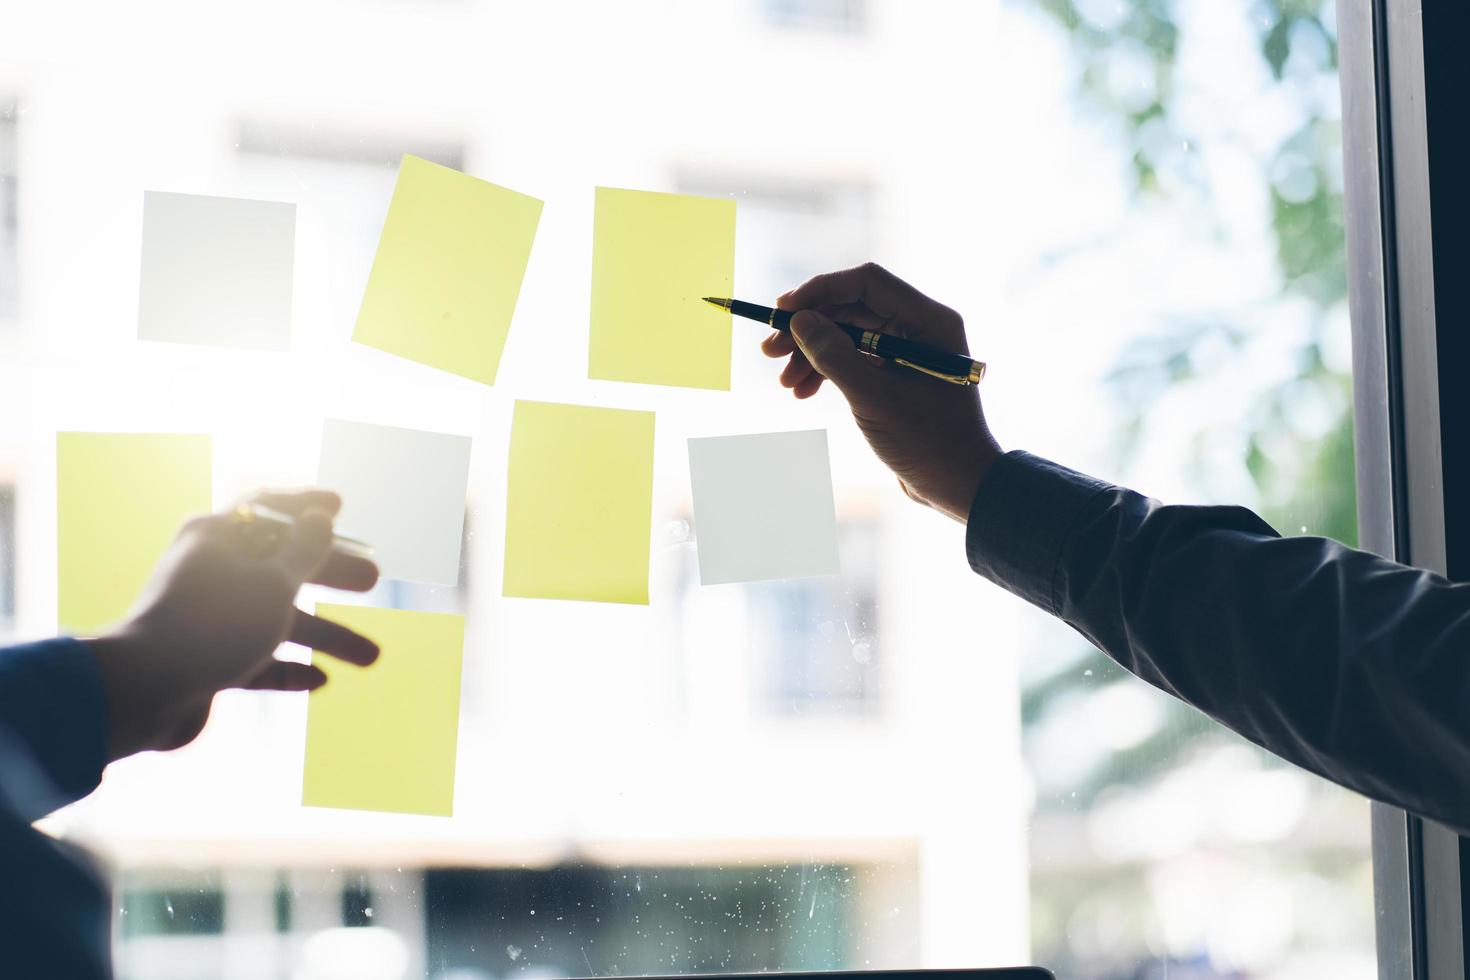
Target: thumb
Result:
[[309, 545], [832, 353]]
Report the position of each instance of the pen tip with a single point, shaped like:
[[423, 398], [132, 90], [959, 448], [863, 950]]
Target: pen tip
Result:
[[723, 304]]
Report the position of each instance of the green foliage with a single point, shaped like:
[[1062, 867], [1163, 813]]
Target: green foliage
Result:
[[1303, 473], [1282, 17], [1307, 221], [1307, 215]]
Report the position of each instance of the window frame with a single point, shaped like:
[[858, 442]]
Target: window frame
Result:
[[1404, 204]]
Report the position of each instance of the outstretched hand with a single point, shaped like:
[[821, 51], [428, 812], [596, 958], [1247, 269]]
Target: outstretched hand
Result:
[[212, 615], [931, 433]]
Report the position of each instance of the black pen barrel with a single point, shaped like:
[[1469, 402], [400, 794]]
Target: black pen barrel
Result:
[[898, 348], [931, 359], [780, 319]]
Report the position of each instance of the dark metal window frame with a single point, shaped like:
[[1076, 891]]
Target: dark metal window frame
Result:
[[1402, 82]]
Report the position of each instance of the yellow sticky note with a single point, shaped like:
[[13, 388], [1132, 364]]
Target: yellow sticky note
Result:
[[579, 504], [448, 270], [384, 737], [654, 258], [120, 499]]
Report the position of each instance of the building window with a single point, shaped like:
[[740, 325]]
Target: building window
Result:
[[183, 911], [833, 16], [813, 643], [591, 921], [421, 597], [790, 228], [357, 904], [276, 160], [9, 226], [281, 904], [296, 143]]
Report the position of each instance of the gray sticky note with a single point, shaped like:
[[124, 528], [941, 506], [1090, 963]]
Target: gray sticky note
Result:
[[403, 492], [763, 506], [216, 271]]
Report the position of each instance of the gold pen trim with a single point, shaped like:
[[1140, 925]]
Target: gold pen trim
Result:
[[951, 378]]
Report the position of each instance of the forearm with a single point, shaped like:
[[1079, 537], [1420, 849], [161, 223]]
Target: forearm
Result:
[[52, 702], [136, 692], [1346, 664]]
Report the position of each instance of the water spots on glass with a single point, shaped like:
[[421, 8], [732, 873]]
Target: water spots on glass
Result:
[[665, 920], [513, 951]]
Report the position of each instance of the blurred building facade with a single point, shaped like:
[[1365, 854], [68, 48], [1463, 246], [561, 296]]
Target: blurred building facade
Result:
[[863, 771]]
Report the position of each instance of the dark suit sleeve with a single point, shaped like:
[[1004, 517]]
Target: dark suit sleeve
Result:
[[54, 908], [53, 744], [1346, 664], [52, 703]]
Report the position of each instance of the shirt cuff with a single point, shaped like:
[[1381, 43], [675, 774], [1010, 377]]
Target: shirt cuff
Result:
[[51, 699], [1021, 521]]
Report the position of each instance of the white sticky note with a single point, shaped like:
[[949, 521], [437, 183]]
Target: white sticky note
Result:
[[763, 506], [216, 270], [403, 492]]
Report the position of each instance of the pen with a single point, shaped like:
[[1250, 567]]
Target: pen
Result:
[[954, 368], [266, 527]]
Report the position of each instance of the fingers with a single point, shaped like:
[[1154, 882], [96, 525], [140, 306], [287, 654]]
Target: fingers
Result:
[[798, 374], [856, 314], [831, 353], [869, 284], [283, 675], [332, 639], [778, 344], [307, 547], [871, 297], [797, 370], [334, 570], [297, 502], [321, 635], [809, 387], [347, 572]]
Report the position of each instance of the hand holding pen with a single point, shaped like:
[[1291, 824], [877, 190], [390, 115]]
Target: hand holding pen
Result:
[[219, 603], [932, 435], [946, 365]]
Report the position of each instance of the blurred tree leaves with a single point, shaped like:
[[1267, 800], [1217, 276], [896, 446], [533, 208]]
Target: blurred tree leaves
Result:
[[1297, 444], [1298, 473]]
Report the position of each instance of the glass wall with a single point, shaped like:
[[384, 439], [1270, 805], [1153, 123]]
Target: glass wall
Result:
[[1136, 205]]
